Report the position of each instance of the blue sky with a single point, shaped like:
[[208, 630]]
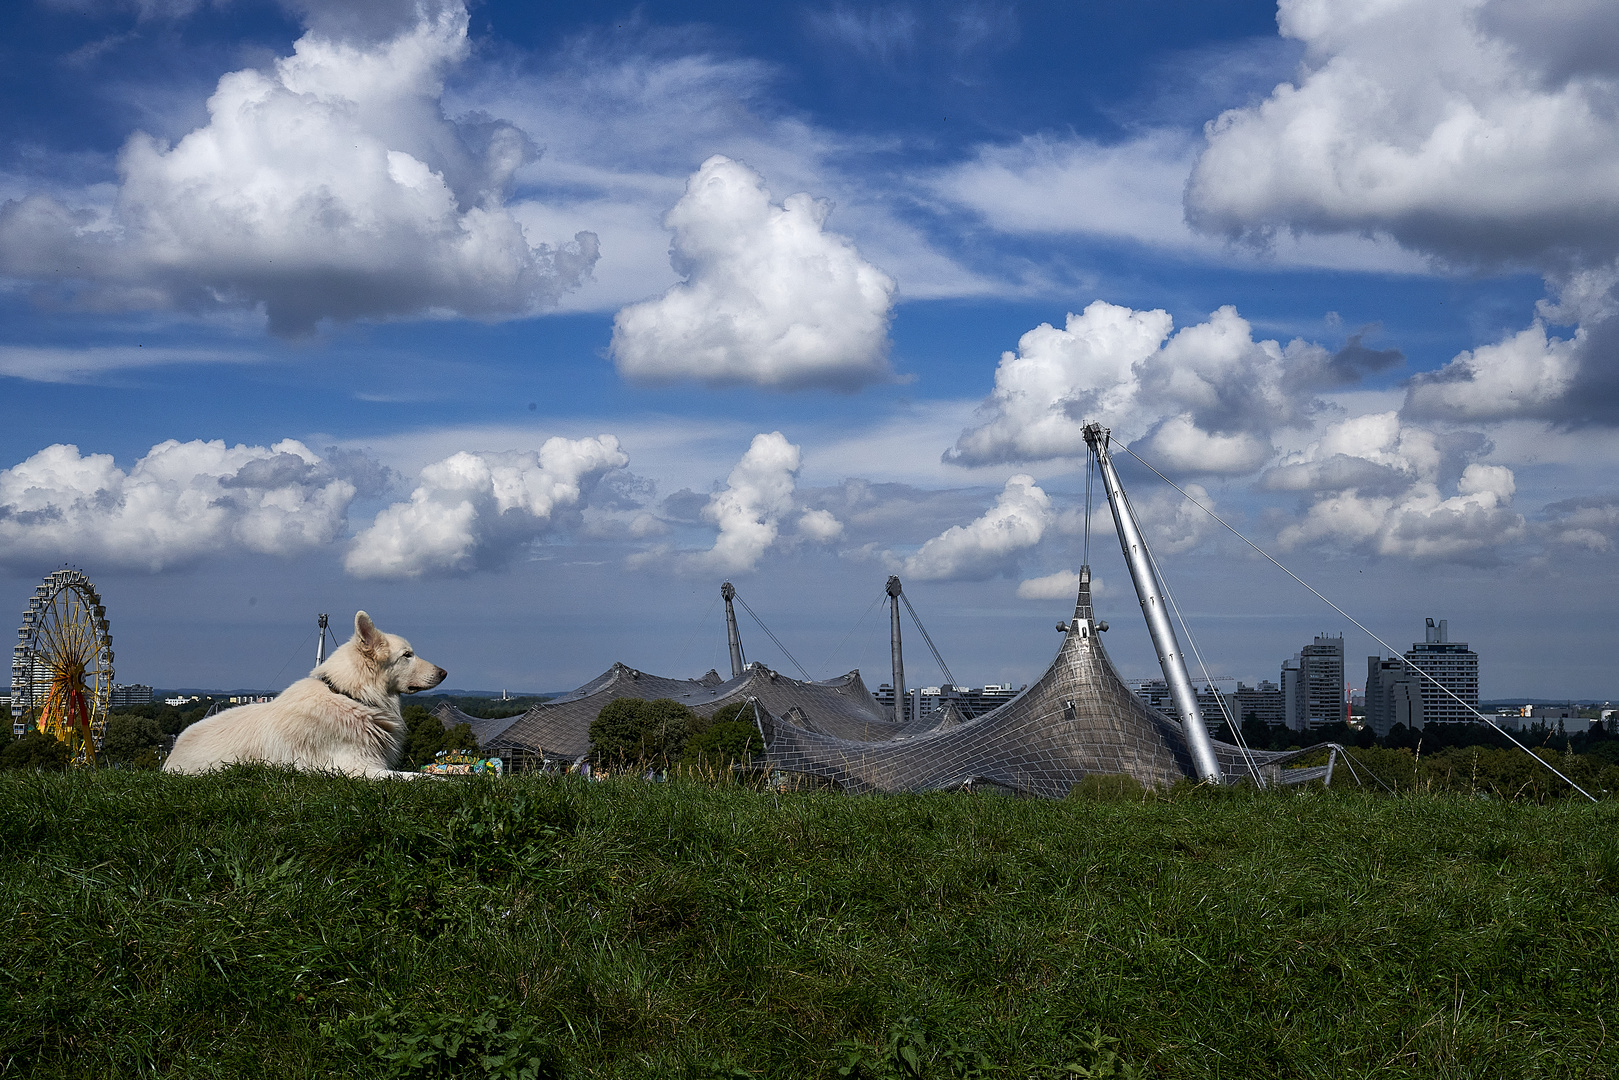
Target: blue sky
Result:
[[523, 328]]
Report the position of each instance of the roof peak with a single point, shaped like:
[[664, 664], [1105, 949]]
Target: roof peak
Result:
[[1082, 604]]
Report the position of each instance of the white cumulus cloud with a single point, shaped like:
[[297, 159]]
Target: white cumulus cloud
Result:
[[1130, 190], [1525, 374], [1205, 400], [749, 509], [1063, 585], [820, 525], [1460, 127], [1173, 524], [329, 186], [1377, 485], [179, 502], [1478, 133], [1373, 452], [472, 510], [1420, 523], [769, 297], [1589, 522], [991, 544]]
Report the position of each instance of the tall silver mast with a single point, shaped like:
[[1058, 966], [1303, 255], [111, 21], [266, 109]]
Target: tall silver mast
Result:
[[320, 646], [901, 706], [728, 591], [1154, 606]]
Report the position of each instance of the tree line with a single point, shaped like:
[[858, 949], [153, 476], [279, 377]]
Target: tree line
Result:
[[630, 733], [1473, 758]]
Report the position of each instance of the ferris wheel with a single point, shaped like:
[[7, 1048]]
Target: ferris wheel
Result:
[[61, 667]]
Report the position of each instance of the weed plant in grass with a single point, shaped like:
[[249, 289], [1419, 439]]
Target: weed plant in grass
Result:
[[263, 923]]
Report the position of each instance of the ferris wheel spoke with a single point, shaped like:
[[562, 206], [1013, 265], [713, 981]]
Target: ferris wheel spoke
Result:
[[46, 629], [73, 631], [55, 633]]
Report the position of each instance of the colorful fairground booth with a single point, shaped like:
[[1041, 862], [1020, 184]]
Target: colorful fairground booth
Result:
[[463, 763]]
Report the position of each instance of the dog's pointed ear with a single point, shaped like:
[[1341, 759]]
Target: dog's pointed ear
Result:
[[366, 635]]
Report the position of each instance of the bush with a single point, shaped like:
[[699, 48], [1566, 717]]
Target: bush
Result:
[[36, 750], [132, 740], [724, 743], [631, 732], [729, 714]]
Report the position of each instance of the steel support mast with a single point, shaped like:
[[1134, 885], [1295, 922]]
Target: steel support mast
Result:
[[1155, 607], [902, 707], [728, 592], [320, 646]]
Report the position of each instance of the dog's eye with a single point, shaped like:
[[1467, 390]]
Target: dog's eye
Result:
[[407, 654]]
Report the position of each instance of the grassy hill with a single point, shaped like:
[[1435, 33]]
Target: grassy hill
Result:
[[260, 923]]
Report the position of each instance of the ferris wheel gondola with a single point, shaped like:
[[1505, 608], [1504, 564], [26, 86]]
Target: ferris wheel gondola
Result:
[[61, 666]]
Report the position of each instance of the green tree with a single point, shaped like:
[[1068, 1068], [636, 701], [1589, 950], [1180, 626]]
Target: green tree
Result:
[[36, 750], [616, 733], [487, 708], [1255, 732], [132, 740], [169, 718], [631, 732], [425, 736], [1401, 737], [729, 737], [726, 715]]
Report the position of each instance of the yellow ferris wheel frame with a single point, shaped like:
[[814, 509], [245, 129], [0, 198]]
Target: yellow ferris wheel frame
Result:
[[61, 666]]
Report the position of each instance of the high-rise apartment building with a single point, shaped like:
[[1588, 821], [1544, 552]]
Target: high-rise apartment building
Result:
[[1212, 705], [1262, 702], [1292, 703], [1454, 667], [1313, 685], [1397, 692], [1390, 697], [124, 695], [921, 700]]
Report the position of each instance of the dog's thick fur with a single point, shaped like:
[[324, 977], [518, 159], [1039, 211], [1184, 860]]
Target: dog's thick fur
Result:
[[343, 718]]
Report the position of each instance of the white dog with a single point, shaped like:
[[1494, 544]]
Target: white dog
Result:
[[343, 718]]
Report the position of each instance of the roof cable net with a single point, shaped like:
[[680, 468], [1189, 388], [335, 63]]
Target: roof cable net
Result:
[[1076, 720]]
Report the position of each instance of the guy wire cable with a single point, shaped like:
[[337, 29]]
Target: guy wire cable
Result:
[[1390, 648], [681, 659], [277, 677], [1369, 771], [807, 676], [827, 664], [1090, 473], [917, 620], [1236, 729]]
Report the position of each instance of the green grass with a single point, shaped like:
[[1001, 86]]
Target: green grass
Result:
[[262, 923]]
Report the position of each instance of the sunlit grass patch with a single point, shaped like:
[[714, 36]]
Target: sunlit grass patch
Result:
[[260, 922]]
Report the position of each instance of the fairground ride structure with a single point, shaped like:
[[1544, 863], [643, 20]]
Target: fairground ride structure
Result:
[[61, 666]]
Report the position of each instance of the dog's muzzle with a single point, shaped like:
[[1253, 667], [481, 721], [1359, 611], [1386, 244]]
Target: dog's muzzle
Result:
[[438, 677]]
